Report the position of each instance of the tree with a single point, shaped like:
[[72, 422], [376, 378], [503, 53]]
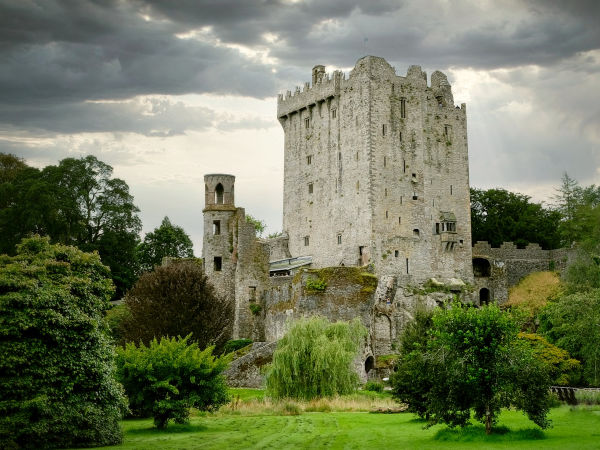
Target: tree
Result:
[[165, 240], [572, 322], [258, 225], [75, 203], [174, 300], [166, 378], [57, 386], [314, 359], [499, 216], [473, 361]]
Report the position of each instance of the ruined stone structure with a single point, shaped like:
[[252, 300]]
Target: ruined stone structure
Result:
[[376, 215]]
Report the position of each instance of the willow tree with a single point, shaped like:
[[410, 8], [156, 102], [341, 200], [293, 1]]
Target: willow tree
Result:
[[314, 359]]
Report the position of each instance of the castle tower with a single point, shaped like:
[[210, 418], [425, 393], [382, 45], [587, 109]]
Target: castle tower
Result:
[[376, 171], [217, 250]]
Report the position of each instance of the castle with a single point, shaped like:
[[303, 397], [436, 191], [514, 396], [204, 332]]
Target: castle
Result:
[[376, 214]]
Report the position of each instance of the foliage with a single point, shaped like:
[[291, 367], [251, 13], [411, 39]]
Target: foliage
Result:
[[374, 386], [259, 225], [167, 240], [572, 322], [255, 309], [499, 216], [315, 284], [236, 344], [169, 376], [57, 386], [532, 293], [314, 359], [177, 299], [275, 235], [416, 332], [564, 371], [587, 397], [10, 166], [115, 317], [75, 203], [387, 361], [473, 361]]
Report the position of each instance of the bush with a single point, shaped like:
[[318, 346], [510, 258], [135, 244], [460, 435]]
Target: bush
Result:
[[236, 344], [374, 386], [57, 386], [314, 359], [473, 361], [168, 377], [177, 300]]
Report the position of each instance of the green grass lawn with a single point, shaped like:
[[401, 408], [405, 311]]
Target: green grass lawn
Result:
[[577, 429]]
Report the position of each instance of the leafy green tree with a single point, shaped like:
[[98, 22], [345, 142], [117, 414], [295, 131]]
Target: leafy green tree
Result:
[[165, 240], [177, 299], [572, 322], [499, 216], [75, 203], [167, 377], [314, 359], [258, 225], [57, 385], [474, 361]]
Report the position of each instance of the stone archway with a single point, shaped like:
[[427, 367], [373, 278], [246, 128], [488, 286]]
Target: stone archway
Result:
[[369, 364]]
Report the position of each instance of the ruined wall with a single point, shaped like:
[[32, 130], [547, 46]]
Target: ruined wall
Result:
[[371, 162], [509, 264]]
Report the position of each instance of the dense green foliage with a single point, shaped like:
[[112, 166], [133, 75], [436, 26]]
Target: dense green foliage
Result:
[[572, 322], [499, 216], [373, 386], [169, 376], [75, 203], [259, 225], [472, 361], [57, 386], [177, 299], [314, 359], [167, 240]]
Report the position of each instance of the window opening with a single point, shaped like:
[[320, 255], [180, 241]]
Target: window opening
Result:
[[339, 156], [306, 241], [396, 253], [384, 161], [416, 232], [437, 228], [386, 214], [399, 220], [339, 239], [406, 265], [383, 129], [217, 263], [333, 113], [403, 108], [310, 188], [216, 227], [357, 186], [309, 159], [385, 192], [219, 197], [401, 136], [450, 189], [252, 293], [306, 123], [404, 166], [415, 197]]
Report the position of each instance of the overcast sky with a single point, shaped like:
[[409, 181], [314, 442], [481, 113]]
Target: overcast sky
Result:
[[166, 91]]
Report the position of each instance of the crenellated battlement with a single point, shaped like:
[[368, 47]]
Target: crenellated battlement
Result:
[[509, 251], [323, 87]]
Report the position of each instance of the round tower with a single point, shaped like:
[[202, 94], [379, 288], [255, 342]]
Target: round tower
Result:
[[219, 242]]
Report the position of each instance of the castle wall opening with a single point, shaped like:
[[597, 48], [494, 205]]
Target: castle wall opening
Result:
[[481, 267], [219, 194], [484, 296], [369, 364]]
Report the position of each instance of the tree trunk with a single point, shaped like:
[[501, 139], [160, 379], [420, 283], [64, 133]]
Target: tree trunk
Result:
[[488, 420]]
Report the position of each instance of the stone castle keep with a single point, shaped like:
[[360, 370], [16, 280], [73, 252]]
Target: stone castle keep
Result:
[[376, 213]]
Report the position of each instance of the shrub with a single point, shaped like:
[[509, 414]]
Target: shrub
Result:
[[236, 344], [255, 309], [177, 300], [374, 386], [473, 361], [57, 386], [168, 377], [314, 359], [316, 284]]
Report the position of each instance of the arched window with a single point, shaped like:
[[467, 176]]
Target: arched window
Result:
[[219, 194], [481, 267]]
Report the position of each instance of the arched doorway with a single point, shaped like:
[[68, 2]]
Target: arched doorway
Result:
[[484, 296], [481, 267], [369, 364]]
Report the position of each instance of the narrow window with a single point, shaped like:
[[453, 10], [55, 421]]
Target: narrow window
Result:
[[306, 123], [216, 227], [306, 241], [401, 136], [384, 161], [217, 263], [219, 194], [386, 214], [447, 130], [399, 220], [309, 159], [450, 189], [310, 188], [385, 192], [406, 265], [339, 156], [357, 186], [396, 253], [400, 199], [416, 232], [403, 108], [383, 129], [404, 165], [333, 113], [252, 293], [357, 156], [339, 239], [437, 228]]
